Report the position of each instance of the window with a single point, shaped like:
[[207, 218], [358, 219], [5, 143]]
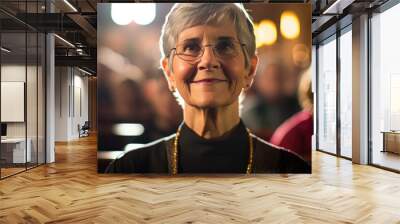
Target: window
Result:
[[385, 89], [22, 88], [327, 96], [346, 93]]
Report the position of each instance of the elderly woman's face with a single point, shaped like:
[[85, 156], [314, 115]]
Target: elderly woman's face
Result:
[[216, 78]]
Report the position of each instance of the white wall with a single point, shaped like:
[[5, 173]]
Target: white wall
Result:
[[81, 97], [16, 73], [13, 73], [61, 103], [33, 126], [71, 94]]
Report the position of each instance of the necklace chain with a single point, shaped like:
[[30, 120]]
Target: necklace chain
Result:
[[175, 153]]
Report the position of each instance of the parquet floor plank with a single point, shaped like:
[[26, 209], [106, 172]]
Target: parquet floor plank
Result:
[[70, 191]]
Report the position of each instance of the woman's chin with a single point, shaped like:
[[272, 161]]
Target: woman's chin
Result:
[[210, 103]]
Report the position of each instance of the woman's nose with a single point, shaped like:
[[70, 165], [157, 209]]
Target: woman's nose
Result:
[[208, 60]]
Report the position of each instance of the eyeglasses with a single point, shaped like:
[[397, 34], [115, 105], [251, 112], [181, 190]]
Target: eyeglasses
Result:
[[192, 51]]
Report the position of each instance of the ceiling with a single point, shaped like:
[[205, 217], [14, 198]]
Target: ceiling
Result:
[[76, 23], [78, 27]]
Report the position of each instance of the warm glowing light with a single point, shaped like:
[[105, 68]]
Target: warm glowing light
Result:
[[301, 55], [266, 33], [290, 25], [144, 13], [121, 13], [128, 129], [124, 13], [119, 64]]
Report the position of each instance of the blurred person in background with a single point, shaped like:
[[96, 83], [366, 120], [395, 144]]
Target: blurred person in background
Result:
[[129, 103], [209, 58], [271, 105], [129, 107], [295, 133], [167, 114]]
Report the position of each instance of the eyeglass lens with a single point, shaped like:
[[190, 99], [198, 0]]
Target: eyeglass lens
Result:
[[193, 50]]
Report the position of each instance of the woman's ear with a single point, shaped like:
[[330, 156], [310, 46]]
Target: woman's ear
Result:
[[168, 74], [252, 72]]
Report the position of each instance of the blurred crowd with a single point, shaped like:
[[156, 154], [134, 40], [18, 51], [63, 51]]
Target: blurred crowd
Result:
[[146, 99], [271, 100]]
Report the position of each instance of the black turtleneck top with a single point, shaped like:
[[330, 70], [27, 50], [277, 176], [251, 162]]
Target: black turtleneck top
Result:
[[225, 154]]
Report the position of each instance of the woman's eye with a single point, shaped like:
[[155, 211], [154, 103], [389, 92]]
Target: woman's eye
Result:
[[190, 48], [225, 46]]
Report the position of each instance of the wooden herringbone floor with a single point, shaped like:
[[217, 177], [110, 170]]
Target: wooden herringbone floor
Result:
[[70, 191]]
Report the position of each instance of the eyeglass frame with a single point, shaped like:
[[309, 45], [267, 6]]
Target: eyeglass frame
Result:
[[203, 48]]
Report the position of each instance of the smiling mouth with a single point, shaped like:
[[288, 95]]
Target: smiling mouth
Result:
[[209, 81]]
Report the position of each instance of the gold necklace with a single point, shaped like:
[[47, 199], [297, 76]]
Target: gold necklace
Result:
[[175, 153]]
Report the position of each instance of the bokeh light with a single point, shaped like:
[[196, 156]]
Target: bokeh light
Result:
[[301, 55], [128, 129], [121, 13], [290, 25], [144, 13], [266, 33], [141, 13]]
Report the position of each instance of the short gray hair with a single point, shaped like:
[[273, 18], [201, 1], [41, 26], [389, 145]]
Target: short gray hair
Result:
[[186, 15]]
